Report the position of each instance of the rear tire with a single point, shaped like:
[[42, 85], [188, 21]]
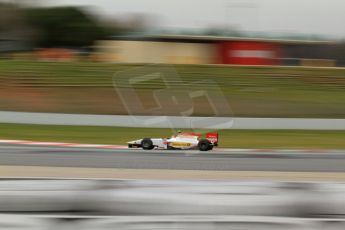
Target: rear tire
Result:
[[147, 144], [204, 145]]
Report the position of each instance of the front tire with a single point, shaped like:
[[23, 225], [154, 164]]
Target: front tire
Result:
[[147, 144], [204, 145]]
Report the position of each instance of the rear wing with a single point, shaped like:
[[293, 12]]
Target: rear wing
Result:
[[213, 138]]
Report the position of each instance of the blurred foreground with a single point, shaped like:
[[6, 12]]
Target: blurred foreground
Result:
[[121, 204]]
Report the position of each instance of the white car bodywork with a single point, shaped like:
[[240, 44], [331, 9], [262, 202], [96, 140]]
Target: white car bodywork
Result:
[[178, 142]]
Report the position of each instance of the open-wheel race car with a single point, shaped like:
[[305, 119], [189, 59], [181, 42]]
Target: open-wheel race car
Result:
[[181, 141]]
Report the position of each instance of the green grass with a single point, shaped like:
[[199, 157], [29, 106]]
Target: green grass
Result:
[[286, 139], [84, 87]]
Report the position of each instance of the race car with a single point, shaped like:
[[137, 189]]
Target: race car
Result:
[[181, 140]]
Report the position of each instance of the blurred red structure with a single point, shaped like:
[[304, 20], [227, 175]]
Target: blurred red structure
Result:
[[249, 53]]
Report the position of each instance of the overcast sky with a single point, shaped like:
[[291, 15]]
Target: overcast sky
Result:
[[325, 17]]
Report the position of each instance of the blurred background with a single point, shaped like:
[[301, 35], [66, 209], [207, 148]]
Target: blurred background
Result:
[[251, 32], [268, 59], [60, 56]]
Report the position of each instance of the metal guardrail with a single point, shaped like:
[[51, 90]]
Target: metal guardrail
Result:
[[130, 204], [166, 222], [127, 197]]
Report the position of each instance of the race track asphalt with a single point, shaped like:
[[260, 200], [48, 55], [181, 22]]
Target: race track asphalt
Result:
[[12, 155]]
